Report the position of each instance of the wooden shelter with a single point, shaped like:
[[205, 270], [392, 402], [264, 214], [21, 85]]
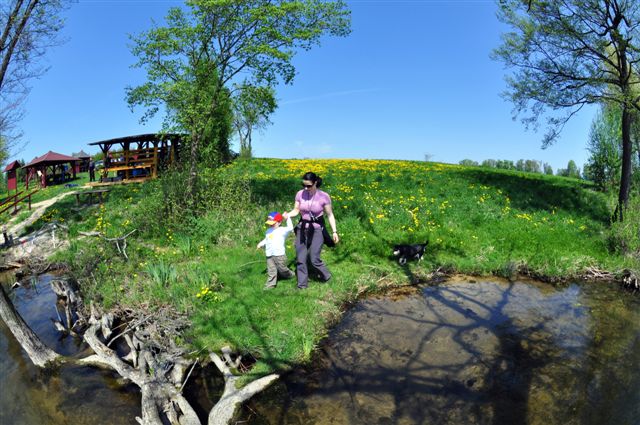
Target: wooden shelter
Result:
[[12, 177], [82, 166], [138, 156], [51, 167]]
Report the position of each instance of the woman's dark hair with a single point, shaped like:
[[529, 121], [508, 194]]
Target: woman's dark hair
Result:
[[313, 177]]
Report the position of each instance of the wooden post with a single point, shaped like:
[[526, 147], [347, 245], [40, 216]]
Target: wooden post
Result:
[[127, 156], [155, 161]]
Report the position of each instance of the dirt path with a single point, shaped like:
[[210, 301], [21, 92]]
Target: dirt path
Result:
[[37, 210]]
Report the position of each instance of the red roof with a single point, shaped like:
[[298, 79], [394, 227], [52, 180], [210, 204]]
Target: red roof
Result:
[[12, 166], [51, 158]]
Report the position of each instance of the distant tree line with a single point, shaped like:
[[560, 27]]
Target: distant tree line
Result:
[[526, 165]]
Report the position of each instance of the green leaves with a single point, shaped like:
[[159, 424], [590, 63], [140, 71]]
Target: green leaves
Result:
[[213, 51], [563, 56]]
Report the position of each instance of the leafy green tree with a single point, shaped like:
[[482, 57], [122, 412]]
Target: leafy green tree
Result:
[[252, 108], [469, 163], [222, 44], [603, 165], [532, 166], [27, 30], [505, 164], [573, 170], [548, 170], [490, 163], [567, 54]]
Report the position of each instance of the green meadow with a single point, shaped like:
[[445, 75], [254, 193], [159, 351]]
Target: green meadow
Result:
[[477, 221]]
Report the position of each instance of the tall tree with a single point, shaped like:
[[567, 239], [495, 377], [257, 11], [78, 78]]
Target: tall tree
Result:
[[568, 54], [603, 165], [217, 44], [573, 170], [28, 28], [252, 108]]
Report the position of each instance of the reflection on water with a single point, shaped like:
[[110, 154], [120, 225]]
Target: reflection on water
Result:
[[68, 395], [472, 353]]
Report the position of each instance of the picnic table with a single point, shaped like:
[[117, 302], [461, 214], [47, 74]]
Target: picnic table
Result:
[[100, 193]]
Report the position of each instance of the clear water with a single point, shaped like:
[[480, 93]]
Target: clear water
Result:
[[472, 353], [69, 395]]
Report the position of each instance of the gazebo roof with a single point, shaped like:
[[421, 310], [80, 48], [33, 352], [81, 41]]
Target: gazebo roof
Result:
[[140, 138], [14, 165], [51, 158], [82, 154]]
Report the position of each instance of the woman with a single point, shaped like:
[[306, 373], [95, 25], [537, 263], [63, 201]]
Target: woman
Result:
[[313, 205]]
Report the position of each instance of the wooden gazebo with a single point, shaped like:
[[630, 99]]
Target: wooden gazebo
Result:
[[139, 156], [52, 165], [82, 166]]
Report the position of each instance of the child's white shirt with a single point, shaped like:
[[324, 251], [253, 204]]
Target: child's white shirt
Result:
[[274, 239]]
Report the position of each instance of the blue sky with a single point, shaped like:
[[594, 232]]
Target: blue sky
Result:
[[414, 78]]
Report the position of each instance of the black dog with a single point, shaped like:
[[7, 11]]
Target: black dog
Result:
[[408, 252]]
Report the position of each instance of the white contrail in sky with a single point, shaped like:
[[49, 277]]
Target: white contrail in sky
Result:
[[326, 96]]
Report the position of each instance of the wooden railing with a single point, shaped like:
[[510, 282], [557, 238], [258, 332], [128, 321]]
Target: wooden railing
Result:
[[135, 159], [11, 198], [14, 200]]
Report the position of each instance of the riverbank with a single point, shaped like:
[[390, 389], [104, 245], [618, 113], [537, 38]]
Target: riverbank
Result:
[[477, 221]]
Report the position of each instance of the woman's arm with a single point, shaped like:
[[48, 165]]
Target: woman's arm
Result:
[[328, 211], [294, 212]]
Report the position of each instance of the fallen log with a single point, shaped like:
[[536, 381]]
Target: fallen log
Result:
[[40, 354]]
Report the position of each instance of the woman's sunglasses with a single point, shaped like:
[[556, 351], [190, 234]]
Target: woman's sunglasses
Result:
[[307, 186]]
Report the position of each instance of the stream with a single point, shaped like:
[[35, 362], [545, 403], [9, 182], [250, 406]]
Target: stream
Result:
[[472, 353], [69, 395], [463, 352]]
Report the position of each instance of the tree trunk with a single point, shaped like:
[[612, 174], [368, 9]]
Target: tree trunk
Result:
[[17, 33], [232, 397], [625, 176], [40, 354]]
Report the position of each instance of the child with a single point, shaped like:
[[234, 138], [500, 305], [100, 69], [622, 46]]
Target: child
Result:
[[274, 242]]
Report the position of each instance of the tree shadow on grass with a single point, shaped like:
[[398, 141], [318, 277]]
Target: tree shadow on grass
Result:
[[537, 192], [279, 191]]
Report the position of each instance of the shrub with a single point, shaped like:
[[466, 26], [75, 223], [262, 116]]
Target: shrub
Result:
[[625, 236]]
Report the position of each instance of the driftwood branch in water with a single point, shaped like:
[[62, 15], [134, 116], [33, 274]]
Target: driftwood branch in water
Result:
[[159, 396], [630, 280], [232, 396], [40, 354]]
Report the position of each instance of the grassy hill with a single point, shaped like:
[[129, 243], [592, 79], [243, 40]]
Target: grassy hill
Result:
[[477, 221]]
